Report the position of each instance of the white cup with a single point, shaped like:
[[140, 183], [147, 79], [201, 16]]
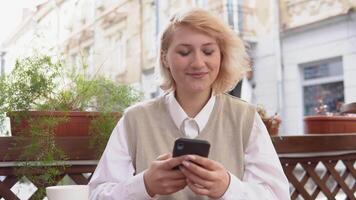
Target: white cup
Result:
[[67, 192]]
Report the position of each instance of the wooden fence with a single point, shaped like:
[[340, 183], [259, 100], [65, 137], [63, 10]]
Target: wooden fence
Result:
[[317, 166]]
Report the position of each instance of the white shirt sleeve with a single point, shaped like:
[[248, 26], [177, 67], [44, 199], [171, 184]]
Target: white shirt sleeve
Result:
[[114, 178], [263, 177]]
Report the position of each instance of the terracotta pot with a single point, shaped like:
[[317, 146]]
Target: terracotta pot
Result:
[[271, 128], [329, 124], [71, 123]]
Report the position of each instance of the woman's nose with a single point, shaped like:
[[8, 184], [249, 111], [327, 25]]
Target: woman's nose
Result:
[[198, 60]]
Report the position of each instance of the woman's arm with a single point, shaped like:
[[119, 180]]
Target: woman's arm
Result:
[[114, 176], [263, 177]]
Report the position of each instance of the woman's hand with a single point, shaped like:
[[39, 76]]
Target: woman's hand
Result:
[[160, 178], [205, 176]]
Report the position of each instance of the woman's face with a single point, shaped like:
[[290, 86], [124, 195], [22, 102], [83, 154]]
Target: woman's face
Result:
[[193, 59]]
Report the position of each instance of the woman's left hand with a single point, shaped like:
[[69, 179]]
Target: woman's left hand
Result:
[[205, 176]]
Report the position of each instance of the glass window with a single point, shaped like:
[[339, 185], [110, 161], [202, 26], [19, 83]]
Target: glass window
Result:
[[234, 14], [201, 3], [333, 68], [88, 59], [323, 81], [331, 93]]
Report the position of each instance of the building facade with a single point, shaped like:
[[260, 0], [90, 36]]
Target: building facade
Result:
[[310, 59], [303, 51]]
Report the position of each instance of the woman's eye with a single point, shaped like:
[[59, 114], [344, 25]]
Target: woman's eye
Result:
[[183, 53], [208, 52]]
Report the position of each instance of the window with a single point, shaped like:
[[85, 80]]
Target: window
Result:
[[234, 14], [149, 85], [322, 81], [201, 3], [88, 60], [74, 60], [117, 55]]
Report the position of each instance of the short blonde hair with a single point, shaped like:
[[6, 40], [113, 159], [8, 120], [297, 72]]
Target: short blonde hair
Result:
[[234, 59]]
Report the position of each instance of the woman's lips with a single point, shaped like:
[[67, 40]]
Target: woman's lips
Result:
[[197, 74]]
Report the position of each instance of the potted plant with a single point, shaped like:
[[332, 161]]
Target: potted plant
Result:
[[43, 99], [271, 122], [325, 122]]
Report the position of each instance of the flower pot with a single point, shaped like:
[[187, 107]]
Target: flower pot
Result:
[[67, 123], [272, 126], [329, 124]]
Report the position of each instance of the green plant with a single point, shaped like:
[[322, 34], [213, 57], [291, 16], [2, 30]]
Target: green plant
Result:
[[41, 83]]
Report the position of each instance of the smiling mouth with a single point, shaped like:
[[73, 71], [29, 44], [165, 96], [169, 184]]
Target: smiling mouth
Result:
[[197, 74]]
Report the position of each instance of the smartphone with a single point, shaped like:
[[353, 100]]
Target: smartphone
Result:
[[184, 146]]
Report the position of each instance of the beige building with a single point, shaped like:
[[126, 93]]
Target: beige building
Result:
[[118, 39], [288, 40]]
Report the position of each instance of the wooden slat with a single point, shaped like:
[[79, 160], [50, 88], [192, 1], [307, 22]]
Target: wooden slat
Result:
[[314, 143], [77, 148], [79, 179], [297, 185], [10, 181], [6, 193], [339, 181], [310, 169], [337, 187]]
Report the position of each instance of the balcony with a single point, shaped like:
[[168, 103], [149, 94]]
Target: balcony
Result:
[[302, 12]]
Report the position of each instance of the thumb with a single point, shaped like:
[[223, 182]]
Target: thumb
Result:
[[164, 156]]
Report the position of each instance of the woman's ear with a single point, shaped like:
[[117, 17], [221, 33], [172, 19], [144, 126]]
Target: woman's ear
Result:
[[164, 60]]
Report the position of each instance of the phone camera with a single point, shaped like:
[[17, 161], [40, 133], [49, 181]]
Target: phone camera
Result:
[[180, 146]]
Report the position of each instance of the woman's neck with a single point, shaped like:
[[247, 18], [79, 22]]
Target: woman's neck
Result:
[[192, 103]]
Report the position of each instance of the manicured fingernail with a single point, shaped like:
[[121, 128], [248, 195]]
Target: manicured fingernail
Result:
[[191, 157], [186, 163]]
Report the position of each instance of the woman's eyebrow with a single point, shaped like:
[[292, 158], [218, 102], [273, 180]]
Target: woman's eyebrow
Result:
[[205, 44], [209, 43]]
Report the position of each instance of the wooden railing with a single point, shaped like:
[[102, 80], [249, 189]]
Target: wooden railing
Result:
[[317, 166], [79, 166]]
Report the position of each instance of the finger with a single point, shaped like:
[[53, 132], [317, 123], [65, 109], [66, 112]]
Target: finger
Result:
[[202, 161], [173, 162], [197, 189], [196, 179], [198, 170], [164, 156], [175, 174]]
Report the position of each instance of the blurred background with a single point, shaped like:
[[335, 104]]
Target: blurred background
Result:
[[303, 51]]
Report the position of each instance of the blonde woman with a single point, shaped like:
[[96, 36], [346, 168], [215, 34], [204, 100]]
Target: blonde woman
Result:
[[200, 59]]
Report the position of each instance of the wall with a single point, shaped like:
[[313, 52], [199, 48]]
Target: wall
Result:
[[330, 38]]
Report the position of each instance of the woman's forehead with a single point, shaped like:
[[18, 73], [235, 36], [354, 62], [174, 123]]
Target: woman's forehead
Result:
[[185, 35]]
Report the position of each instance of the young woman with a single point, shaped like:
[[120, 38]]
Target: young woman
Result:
[[200, 59]]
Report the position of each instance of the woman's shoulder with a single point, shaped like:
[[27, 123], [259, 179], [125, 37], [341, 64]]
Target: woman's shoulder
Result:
[[227, 98], [146, 105]]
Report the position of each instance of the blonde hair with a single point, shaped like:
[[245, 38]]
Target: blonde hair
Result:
[[234, 59]]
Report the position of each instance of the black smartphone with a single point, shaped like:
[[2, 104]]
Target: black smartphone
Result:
[[184, 146]]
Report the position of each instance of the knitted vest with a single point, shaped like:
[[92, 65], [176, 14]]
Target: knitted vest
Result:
[[152, 132]]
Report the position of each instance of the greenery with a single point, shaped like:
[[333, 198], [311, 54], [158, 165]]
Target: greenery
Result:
[[41, 83]]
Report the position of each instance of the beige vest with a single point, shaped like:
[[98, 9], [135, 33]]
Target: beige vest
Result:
[[152, 132]]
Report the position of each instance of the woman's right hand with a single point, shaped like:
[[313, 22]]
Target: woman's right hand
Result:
[[161, 178]]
